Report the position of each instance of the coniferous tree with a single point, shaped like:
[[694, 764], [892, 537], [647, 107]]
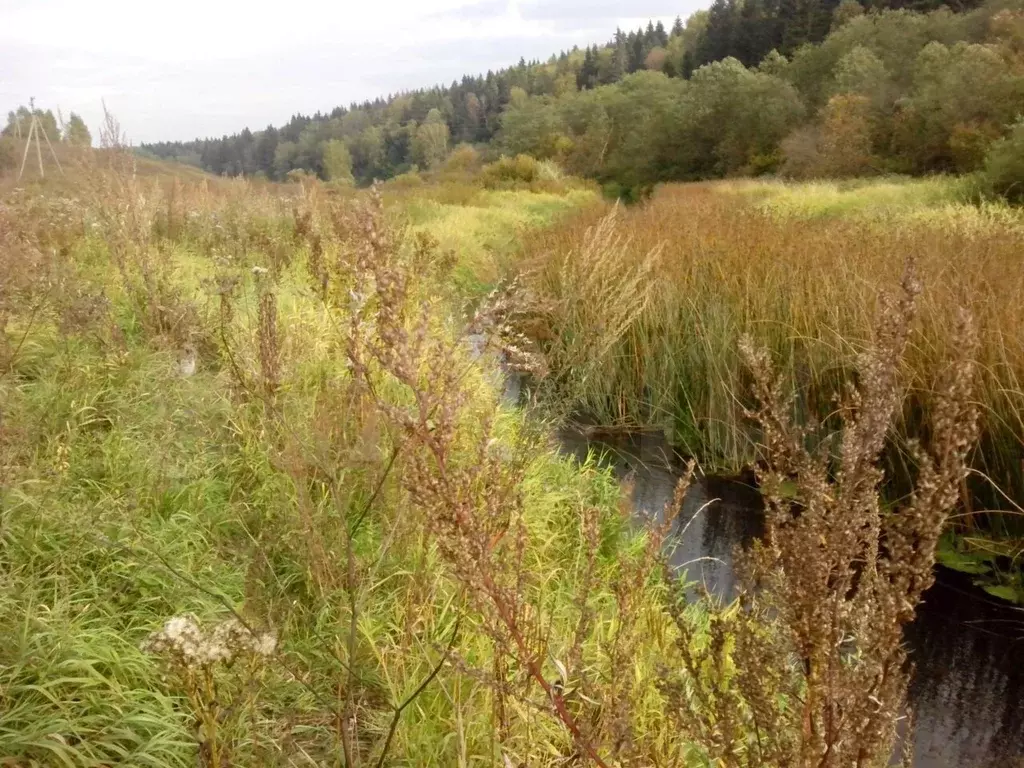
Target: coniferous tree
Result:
[[660, 35], [794, 19], [587, 77], [264, 150], [719, 39], [688, 65], [637, 53]]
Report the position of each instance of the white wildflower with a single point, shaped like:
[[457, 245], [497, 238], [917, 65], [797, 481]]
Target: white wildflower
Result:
[[182, 641], [181, 638], [264, 644], [187, 360]]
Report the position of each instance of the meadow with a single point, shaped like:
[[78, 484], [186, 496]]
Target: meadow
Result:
[[262, 503], [226, 408], [799, 267]]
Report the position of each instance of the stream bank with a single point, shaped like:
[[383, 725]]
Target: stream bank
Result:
[[967, 690]]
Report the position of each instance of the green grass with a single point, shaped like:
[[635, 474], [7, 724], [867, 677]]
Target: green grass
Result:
[[486, 230], [132, 494], [872, 198], [113, 451]]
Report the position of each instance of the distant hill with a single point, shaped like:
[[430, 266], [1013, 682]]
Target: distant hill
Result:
[[794, 50]]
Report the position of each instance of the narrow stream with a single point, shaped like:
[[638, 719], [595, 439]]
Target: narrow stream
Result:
[[968, 648]]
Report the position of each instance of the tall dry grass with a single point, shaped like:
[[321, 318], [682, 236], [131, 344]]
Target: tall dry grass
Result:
[[806, 287], [260, 505]]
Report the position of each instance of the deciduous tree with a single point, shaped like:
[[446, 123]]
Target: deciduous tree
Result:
[[76, 132]]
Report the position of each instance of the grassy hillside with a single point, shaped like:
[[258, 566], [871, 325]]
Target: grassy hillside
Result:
[[68, 169], [809, 89]]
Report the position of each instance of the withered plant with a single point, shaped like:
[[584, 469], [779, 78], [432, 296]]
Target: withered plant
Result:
[[508, 321], [809, 669], [218, 670], [466, 484], [125, 209]]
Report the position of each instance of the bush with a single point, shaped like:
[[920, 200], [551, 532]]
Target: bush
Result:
[[628, 194], [507, 171], [970, 142], [301, 176], [407, 180], [801, 152], [549, 170], [763, 163], [464, 158], [1004, 165], [8, 154]]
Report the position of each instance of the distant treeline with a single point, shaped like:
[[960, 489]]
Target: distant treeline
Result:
[[807, 87]]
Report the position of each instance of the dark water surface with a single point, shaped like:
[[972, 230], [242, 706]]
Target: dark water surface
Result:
[[968, 648]]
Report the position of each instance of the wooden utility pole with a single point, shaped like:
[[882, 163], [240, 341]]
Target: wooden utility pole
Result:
[[34, 129]]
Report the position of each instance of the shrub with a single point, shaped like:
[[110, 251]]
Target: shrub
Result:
[[1004, 165], [8, 154], [613, 190], [507, 171], [763, 163], [548, 170], [301, 176], [969, 144], [464, 158], [801, 151], [846, 137], [407, 180], [838, 147]]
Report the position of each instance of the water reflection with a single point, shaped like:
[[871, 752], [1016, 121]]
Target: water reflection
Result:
[[968, 687], [968, 649]]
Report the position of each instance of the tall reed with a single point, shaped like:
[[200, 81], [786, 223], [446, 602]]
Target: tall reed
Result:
[[805, 287]]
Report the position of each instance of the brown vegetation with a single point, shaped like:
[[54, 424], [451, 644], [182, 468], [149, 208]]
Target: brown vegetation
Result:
[[816, 640], [806, 287], [319, 539]]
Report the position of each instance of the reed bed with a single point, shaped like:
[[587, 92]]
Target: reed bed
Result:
[[799, 270]]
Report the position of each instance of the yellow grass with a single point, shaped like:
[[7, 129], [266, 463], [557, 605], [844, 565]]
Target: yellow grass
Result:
[[800, 268]]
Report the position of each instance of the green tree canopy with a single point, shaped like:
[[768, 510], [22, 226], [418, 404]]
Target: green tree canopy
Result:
[[76, 132], [19, 122], [337, 161], [430, 142]]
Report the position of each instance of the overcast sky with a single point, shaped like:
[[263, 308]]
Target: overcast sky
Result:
[[188, 68]]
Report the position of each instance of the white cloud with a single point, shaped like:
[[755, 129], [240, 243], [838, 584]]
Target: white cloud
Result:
[[208, 67]]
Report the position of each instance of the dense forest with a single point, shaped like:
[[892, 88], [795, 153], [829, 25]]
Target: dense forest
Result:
[[803, 87]]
